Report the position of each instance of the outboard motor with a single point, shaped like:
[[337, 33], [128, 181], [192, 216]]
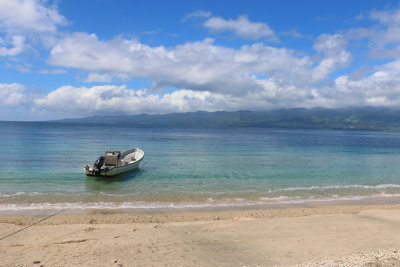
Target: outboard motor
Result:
[[99, 162]]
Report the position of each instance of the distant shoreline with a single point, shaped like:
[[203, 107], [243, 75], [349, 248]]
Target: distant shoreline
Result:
[[356, 118]]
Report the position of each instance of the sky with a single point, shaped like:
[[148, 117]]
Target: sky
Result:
[[69, 58]]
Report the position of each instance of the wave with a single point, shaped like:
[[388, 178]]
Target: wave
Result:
[[17, 194], [109, 200], [289, 189], [209, 203], [329, 187]]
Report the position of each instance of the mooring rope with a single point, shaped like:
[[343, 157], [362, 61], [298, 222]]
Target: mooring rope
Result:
[[33, 224]]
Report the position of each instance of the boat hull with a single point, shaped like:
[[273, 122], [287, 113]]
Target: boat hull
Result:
[[115, 170]]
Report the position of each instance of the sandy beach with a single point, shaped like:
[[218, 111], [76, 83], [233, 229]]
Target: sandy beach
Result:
[[326, 236]]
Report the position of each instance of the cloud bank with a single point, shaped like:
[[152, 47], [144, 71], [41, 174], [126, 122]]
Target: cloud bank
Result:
[[202, 65], [203, 74]]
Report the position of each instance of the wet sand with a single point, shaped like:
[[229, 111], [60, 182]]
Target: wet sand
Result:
[[367, 235]]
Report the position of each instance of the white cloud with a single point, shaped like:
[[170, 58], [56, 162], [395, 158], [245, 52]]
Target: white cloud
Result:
[[242, 27], [17, 46], [110, 99], [296, 34], [333, 47], [26, 19], [383, 37], [197, 14], [52, 71], [390, 17], [381, 88], [389, 30], [28, 15], [199, 66], [98, 77], [13, 95], [330, 44]]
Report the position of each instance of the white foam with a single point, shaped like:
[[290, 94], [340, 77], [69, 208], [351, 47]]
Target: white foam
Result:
[[210, 203], [276, 196], [329, 187], [289, 189]]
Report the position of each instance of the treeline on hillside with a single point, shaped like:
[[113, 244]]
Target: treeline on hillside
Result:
[[315, 118]]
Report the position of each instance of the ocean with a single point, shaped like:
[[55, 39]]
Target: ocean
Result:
[[41, 167]]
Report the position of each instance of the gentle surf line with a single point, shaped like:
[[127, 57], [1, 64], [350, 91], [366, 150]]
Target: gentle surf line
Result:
[[237, 202], [289, 189]]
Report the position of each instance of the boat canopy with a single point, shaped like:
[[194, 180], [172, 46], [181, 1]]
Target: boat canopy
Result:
[[111, 158]]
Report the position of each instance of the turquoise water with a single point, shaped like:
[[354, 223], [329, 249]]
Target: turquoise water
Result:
[[41, 166]]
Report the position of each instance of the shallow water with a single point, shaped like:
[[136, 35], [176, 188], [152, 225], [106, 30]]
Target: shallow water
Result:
[[41, 166]]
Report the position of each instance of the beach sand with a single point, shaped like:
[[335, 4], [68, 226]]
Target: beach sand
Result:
[[326, 236]]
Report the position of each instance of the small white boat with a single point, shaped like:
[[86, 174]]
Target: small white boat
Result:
[[115, 162]]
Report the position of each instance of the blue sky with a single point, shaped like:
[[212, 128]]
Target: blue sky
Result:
[[74, 58]]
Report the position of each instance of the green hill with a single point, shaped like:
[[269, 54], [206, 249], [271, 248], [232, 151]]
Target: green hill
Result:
[[315, 118]]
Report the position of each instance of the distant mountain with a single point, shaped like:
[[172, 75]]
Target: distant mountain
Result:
[[366, 118]]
